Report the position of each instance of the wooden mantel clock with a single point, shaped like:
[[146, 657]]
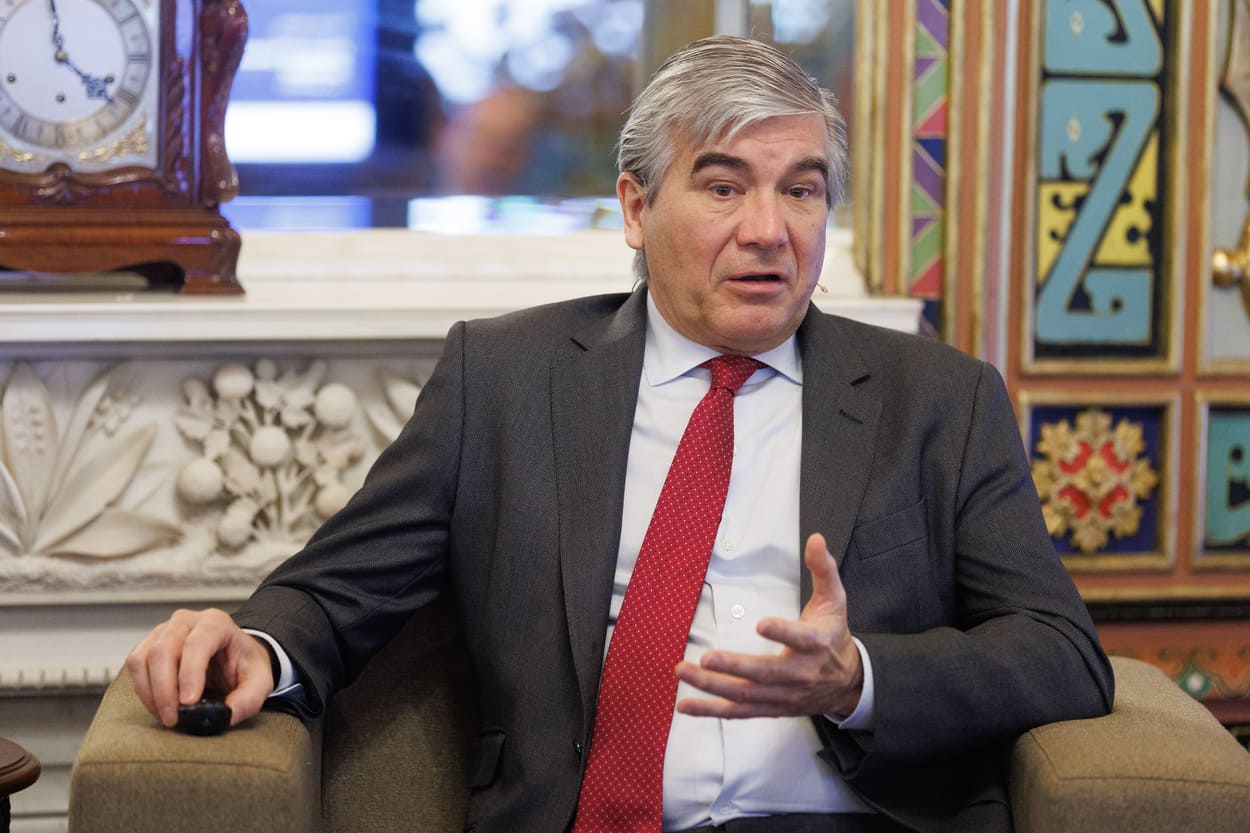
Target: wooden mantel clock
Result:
[[112, 154]]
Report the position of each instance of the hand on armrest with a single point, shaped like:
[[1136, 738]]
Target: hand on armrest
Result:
[[132, 774]]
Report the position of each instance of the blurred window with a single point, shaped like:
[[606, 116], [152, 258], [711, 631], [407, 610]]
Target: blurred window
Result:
[[465, 115]]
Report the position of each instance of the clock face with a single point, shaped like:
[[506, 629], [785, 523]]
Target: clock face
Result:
[[78, 83]]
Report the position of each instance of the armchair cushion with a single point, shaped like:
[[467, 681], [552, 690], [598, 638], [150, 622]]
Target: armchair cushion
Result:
[[1159, 761], [395, 755], [133, 774]]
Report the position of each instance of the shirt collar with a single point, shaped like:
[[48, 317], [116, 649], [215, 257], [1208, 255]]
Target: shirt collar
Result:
[[669, 354]]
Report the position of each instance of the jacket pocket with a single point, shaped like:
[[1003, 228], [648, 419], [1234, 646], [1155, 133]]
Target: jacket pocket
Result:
[[889, 577], [891, 532], [486, 754]]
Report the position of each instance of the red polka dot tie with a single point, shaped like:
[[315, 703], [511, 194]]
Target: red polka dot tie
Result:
[[621, 790]]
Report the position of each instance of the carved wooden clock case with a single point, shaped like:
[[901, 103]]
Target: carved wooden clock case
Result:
[[112, 151]]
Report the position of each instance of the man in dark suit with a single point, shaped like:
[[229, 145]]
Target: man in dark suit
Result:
[[880, 581]]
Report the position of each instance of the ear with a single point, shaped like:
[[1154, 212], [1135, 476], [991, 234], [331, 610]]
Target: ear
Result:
[[633, 197]]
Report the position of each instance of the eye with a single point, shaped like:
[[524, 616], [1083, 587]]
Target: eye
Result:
[[802, 191], [722, 190]]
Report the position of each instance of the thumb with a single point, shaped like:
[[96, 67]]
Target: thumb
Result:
[[253, 681], [826, 583], [246, 699]]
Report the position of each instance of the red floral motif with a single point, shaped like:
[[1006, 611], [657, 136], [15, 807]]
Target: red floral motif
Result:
[[1090, 479]]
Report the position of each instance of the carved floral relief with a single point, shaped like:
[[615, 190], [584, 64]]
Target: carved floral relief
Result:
[[157, 475], [272, 446]]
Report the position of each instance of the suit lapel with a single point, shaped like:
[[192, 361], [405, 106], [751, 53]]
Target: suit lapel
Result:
[[840, 418], [593, 396]]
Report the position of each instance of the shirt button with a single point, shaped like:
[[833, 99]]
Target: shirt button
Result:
[[737, 611], [727, 546]]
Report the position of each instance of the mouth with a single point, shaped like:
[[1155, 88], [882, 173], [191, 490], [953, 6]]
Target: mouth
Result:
[[763, 278]]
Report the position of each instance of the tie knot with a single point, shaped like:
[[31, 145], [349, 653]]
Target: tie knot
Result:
[[730, 372]]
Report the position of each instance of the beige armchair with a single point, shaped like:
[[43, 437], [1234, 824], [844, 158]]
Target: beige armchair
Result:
[[389, 755]]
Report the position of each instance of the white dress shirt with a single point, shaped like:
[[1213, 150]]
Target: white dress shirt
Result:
[[715, 769]]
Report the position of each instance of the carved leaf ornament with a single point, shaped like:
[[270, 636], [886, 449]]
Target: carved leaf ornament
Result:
[[401, 397], [60, 488]]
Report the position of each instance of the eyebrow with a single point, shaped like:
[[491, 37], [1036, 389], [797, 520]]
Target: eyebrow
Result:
[[714, 158]]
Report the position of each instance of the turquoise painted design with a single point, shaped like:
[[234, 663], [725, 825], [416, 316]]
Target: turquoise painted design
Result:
[[1100, 280], [1084, 37], [1228, 479], [1118, 306]]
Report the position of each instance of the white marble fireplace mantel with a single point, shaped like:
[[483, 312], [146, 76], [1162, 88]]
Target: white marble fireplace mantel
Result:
[[355, 318], [379, 285]]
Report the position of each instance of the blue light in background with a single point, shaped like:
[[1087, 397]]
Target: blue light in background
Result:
[[304, 92]]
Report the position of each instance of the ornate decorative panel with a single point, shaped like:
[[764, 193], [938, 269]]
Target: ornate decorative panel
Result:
[[927, 198], [1224, 470], [1103, 473], [1100, 294]]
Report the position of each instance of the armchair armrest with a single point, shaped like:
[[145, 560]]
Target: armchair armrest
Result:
[[1159, 761], [133, 774]]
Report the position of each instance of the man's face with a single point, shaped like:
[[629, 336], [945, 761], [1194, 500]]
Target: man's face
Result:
[[735, 237]]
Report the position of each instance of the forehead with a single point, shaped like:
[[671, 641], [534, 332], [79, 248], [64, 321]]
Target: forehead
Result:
[[800, 136]]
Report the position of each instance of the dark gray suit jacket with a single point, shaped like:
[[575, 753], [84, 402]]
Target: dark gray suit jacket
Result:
[[505, 491]]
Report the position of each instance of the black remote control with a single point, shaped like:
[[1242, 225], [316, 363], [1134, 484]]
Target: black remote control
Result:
[[210, 716]]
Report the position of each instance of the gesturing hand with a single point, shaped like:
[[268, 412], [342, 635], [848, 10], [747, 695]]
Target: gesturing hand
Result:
[[817, 672], [192, 649]]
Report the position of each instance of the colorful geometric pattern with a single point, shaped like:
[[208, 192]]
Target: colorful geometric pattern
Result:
[[1206, 672], [1100, 278], [1097, 472], [1226, 527], [928, 151]]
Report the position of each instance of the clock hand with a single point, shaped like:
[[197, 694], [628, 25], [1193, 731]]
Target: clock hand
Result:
[[57, 40], [95, 87]]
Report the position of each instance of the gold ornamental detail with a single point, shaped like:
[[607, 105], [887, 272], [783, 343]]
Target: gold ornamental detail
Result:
[[13, 154], [1091, 479], [134, 143], [1231, 267]]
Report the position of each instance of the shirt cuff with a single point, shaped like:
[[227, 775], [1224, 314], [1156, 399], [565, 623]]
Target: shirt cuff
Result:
[[862, 718], [286, 685]]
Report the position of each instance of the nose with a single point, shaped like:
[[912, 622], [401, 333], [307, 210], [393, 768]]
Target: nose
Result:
[[763, 222]]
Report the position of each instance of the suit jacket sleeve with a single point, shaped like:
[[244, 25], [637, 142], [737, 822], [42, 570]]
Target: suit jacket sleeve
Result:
[[335, 603], [1016, 647]]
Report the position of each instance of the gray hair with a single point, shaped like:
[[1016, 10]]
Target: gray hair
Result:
[[713, 88]]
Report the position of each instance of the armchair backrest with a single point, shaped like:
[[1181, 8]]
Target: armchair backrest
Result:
[[395, 742]]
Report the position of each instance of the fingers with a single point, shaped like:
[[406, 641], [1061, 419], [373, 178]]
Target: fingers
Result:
[[172, 664], [738, 697], [136, 664], [797, 635], [154, 666], [789, 683], [210, 632]]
